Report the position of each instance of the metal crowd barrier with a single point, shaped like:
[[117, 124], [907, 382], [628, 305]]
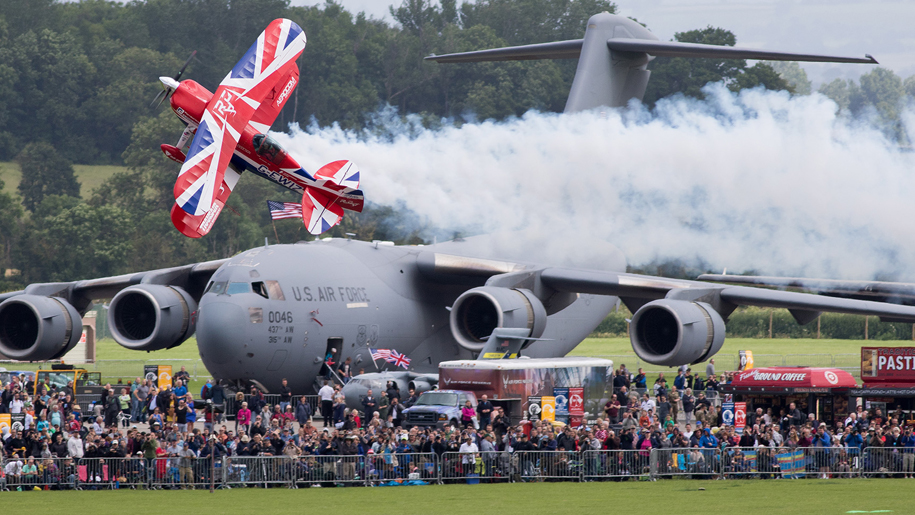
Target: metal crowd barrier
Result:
[[456, 467], [486, 467], [615, 464]]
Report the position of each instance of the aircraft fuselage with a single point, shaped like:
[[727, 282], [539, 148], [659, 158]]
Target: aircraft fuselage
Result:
[[275, 312]]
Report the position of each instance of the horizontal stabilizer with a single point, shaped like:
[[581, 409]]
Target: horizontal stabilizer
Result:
[[570, 49], [677, 49], [320, 211]]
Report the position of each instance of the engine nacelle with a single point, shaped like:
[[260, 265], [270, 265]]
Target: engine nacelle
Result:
[[420, 385], [152, 317], [676, 332], [477, 312], [38, 328]]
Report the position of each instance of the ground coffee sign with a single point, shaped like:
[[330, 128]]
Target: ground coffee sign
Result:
[[888, 364]]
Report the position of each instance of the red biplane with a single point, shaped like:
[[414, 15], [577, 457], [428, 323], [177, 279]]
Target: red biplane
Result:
[[229, 130]]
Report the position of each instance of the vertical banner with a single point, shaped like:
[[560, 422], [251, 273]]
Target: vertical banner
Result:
[[746, 360], [533, 408], [548, 408], [17, 421], [740, 416], [727, 413], [151, 373], [562, 404], [165, 376], [5, 423], [577, 402]]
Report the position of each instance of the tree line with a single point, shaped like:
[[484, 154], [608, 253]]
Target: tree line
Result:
[[76, 80]]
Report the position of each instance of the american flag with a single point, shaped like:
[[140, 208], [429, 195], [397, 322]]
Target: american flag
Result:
[[380, 354], [280, 210], [391, 356]]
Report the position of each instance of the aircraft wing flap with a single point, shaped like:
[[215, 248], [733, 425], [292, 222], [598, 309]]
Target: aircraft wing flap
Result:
[[569, 49], [678, 49], [637, 286], [901, 292]]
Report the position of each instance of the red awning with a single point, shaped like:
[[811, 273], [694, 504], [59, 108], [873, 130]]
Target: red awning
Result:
[[794, 377]]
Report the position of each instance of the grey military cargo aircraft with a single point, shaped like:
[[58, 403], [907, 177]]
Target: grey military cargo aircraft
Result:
[[276, 311], [613, 59]]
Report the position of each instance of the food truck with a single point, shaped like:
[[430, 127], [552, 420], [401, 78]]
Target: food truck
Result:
[[571, 390]]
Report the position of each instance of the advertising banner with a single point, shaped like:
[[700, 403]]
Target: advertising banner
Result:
[[576, 402], [740, 416], [888, 364], [746, 360], [562, 401], [165, 376], [727, 413], [17, 421], [151, 373], [533, 408], [5, 423], [548, 408]]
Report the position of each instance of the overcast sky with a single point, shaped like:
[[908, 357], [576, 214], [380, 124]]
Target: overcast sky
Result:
[[882, 28]]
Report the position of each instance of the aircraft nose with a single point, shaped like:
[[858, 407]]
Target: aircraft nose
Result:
[[220, 331]]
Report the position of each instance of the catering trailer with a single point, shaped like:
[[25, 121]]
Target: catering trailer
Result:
[[570, 390]]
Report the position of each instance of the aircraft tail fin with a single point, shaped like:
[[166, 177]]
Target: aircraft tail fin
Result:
[[613, 59], [342, 173], [505, 343]]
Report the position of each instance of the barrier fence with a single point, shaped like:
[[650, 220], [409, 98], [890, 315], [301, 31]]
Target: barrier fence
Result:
[[452, 467]]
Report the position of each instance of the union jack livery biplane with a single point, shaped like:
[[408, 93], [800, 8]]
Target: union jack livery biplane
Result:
[[229, 130]]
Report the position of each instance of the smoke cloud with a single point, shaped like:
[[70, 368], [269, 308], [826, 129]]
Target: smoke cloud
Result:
[[756, 181]]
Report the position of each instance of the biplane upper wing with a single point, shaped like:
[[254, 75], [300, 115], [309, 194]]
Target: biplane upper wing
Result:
[[240, 95]]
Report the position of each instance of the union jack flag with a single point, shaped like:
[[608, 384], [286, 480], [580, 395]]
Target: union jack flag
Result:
[[281, 210], [391, 356], [398, 359]]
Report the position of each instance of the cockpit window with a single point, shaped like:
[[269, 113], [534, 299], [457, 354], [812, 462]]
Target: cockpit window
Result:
[[217, 287], [266, 147], [238, 288], [268, 290], [276, 293]]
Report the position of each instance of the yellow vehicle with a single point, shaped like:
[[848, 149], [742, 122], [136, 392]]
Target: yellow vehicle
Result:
[[61, 375]]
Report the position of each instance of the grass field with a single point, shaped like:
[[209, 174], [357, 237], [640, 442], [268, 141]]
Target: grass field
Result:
[[89, 176], [808, 497]]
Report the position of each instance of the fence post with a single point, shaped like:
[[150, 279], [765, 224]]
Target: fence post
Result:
[[653, 465]]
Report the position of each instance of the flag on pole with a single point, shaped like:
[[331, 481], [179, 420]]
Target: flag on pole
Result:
[[391, 356], [398, 359], [281, 210], [380, 354]]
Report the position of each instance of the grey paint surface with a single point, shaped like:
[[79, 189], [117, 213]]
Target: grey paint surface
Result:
[[614, 56], [355, 295]]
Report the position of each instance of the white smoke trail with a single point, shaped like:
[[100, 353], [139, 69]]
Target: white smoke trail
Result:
[[757, 180]]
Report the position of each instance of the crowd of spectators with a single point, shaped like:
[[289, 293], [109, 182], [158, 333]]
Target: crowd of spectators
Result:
[[635, 418]]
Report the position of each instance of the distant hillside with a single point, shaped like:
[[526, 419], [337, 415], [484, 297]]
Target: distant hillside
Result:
[[89, 176]]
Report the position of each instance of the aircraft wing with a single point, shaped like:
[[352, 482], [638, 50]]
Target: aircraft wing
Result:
[[640, 289], [883, 291], [192, 278], [240, 95], [571, 49]]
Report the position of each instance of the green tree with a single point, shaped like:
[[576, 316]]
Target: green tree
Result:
[[909, 86], [882, 89], [792, 72], [44, 172], [837, 91]]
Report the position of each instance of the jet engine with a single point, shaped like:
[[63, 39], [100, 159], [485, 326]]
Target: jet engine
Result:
[[676, 332], [152, 317], [38, 328], [477, 312], [420, 385]]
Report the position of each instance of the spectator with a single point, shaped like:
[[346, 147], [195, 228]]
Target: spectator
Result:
[[484, 409], [689, 405], [710, 368], [285, 395], [303, 412]]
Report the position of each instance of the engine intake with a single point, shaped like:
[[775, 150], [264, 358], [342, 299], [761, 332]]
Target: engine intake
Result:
[[152, 317], [477, 312], [37, 328], [676, 332]]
